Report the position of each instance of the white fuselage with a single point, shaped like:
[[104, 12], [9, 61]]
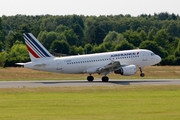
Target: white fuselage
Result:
[[80, 63]]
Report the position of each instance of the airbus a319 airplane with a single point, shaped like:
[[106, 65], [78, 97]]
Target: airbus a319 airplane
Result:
[[120, 62]]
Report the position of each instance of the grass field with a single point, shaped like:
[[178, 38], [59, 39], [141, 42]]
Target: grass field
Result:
[[157, 72], [87, 103]]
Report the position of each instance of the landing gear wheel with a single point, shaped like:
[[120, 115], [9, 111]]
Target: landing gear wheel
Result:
[[90, 78], [105, 79], [142, 74]]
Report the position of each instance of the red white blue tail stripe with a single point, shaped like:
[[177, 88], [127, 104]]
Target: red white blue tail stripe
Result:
[[35, 48]]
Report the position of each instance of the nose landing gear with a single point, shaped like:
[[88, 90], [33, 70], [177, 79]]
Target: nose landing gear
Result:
[[141, 73]]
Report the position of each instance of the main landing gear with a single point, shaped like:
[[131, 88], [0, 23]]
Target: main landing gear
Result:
[[90, 78], [141, 73], [104, 78]]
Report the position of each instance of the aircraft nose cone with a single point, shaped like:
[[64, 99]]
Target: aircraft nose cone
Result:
[[158, 59]]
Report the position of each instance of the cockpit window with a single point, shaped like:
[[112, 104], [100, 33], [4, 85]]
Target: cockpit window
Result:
[[152, 54]]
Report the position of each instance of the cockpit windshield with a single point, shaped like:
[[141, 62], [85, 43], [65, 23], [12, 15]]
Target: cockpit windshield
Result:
[[152, 54]]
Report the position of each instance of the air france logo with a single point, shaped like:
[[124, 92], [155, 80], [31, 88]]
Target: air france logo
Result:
[[124, 54]]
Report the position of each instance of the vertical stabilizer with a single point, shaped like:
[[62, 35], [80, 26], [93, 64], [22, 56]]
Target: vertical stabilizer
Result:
[[35, 48]]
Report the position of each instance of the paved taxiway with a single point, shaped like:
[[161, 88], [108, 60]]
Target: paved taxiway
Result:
[[66, 83]]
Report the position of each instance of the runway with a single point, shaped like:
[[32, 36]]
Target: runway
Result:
[[77, 83]]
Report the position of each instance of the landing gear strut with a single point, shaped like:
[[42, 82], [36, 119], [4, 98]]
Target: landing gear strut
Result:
[[141, 73]]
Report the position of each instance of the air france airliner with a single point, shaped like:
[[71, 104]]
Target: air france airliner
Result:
[[120, 62]]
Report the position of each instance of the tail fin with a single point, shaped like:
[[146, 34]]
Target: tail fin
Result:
[[35, 48]]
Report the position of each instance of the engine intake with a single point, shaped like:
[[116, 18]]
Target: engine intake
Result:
[[127, 70]]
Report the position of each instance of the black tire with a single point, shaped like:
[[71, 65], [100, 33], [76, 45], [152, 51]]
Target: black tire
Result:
[[105, 79], [142, 74], [90, 78]]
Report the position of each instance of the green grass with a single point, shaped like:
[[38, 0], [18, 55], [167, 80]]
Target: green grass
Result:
[[23, 74], [87, 103]]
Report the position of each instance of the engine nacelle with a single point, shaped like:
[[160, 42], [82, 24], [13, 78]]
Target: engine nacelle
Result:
[[127, 70]]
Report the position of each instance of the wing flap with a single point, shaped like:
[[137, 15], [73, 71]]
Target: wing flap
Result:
[[114, 65], [110, 67]]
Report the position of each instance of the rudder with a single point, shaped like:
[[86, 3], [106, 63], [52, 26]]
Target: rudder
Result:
[[35, 48]]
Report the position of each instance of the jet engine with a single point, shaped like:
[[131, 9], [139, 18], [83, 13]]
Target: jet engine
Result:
[[127, 70]]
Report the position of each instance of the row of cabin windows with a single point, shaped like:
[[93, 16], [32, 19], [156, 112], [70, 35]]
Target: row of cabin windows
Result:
[[88, 61], [126, 57]]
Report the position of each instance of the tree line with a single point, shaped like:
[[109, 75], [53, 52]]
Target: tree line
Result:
[[79, 34]]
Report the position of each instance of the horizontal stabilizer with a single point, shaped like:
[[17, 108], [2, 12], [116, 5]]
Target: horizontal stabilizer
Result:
[[40, 64], [21, 64]]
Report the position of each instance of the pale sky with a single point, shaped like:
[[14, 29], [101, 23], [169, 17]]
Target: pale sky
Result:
[[88, 7]]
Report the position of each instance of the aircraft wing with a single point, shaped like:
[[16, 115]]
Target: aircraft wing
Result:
[[114, 65], [110, 67]]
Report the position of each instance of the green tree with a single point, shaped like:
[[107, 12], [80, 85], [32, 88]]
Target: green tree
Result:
[[24, 28], [46, 38], [1, 46], [109, 46], [96, 35], [135, 24], [98, 49], [125, 45], [3, 58], [80, 50], [163, 16], [177, 51], [161, 38], [48, 23], [114, 36], [70, 37], [78, 31], [132, 37], [153, 46], [169, 60], [60, 47], [61, 28], [173, 29], [10, 40], [88, 48], [151, 34], [18, 53], [1, 35], [74, 50], [143, 35], [0, 24]]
